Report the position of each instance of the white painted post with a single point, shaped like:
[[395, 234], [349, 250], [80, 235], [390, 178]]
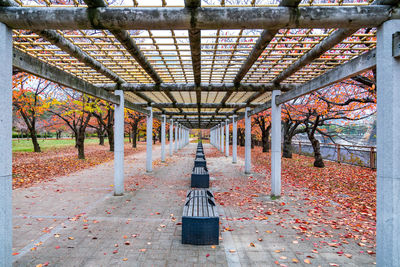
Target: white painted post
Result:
[[5, 145], [171, 132], [222, 137], [234, 139], [176, 137], [180, 137], [275, 145], [227, 138], [212, 136], [149, 141], [119, 145], [164, 121], [217, 132], [247, 143], [388, 147]]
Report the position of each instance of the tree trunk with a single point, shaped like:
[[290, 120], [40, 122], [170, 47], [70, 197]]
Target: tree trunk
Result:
[[110, 134], [100, 135], [80, 142], [318, 161], [287, 146], [134, 136], [36, 146]]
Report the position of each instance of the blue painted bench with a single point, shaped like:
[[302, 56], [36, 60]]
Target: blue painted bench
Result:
[[200, 220], [200, 177]]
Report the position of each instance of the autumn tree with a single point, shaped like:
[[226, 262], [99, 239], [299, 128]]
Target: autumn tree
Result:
[[104, 114], [342, 102], [76, 111], [31, 101], [263, 121], [133, 119]]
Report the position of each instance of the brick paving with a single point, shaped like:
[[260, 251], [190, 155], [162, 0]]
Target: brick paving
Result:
[[76, 221]]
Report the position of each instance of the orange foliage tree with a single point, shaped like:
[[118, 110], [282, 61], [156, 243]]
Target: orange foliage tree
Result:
[[31, 101]]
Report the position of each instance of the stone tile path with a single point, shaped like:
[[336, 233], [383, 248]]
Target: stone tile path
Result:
[[76, 221]]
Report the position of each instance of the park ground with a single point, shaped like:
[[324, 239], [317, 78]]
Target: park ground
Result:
[[65, 214]]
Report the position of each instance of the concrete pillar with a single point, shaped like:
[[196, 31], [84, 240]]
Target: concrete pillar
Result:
[[227, 138], [171, 133], [164, 121], [5, 146], [217, 131], [149, 140], [388, 147], [222, 137], [234, 139], [176, 137], [180, 137], [119, 145], [247, 142], [275, 145]]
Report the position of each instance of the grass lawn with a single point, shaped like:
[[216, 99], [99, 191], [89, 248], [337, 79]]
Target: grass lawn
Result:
[[25, 145]]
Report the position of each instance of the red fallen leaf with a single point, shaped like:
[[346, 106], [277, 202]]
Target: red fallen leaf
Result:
[[252, 245], [276, 262], [340, 252], [57, 247], [348, 255], [115, 251], [282, 203], [127, 243], [179, 223], [370, 252], [208, 255], [46, 263], [142, 250], [15, 253]]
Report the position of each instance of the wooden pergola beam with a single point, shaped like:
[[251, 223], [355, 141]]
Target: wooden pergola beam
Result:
[[195, 113], [262, 42], [351, 68], [34, 66], [73, 18], [65, 45], [124, 38], [202, 105], [317, 51], [190, 87]]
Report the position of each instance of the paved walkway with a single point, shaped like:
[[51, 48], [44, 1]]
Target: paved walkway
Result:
[[75, 221]]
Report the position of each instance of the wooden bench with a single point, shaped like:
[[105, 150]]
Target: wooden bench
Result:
[[200, 220], [199, 162], [200, 155], [200, 177]]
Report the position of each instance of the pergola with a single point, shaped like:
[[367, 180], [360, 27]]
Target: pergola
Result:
[[197, 66]]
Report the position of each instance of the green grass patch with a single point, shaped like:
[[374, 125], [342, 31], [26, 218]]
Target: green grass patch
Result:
[[275, 197], [25, 145]]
